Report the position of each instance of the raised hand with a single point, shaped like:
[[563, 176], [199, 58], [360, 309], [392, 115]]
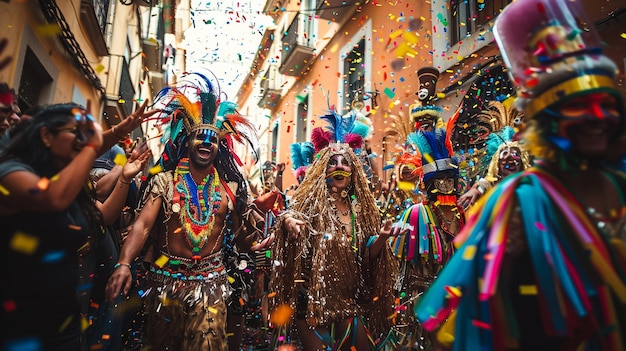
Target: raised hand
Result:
[[134, 120], [136, 162]]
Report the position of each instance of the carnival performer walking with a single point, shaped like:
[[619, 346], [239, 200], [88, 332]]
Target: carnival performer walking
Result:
[[334, 265], [199, 197], [424, 232], [541, 263]]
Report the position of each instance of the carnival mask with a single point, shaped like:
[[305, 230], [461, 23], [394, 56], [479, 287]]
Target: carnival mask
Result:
[[338, 167], [444, 186], [509, 160]]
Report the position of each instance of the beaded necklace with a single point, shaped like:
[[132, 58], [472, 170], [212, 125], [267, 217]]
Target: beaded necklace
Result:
[[343, 226], [196, 218]]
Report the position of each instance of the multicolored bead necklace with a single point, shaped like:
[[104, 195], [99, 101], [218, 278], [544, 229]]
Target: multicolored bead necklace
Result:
[[196, 218]]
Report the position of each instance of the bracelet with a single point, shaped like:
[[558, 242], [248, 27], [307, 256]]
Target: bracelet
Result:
[[123, 182], [91, 146], [118, 265]]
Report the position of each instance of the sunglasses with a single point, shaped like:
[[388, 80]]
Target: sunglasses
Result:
[[82, 115]]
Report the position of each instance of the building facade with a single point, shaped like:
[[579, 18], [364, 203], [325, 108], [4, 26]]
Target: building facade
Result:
[[105, 52], [322, 54]]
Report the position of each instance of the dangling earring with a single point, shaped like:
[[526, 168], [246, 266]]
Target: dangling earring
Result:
[[344, 194]]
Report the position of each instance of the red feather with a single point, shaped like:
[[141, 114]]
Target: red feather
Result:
[[354, 140], [320, 138]]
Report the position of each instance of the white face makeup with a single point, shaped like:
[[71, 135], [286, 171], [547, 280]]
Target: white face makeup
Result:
[[338, 172]]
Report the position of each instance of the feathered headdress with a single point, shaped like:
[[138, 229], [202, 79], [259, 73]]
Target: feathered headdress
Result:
[[435, 152], [191, 105], [351, 129]]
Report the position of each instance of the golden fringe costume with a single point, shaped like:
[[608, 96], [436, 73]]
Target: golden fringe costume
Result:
[[331, 272]]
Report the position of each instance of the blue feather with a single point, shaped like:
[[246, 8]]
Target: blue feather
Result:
[[296, 156], [420, 143], [308, 152]]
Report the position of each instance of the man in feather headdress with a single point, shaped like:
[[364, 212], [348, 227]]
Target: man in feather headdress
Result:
[[333, 264], [199, 196], [541, 263]]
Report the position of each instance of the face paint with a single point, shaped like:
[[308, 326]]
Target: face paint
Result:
[[590, 106], [338, 165], [444, 185], [589, 122], [205, 136], [203, 147], [510, 160]]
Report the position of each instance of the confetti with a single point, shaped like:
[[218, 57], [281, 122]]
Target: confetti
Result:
[[390, 93], [161, 261], [480, 324], [24, 243], [281, 315], [528, 289], [4, 191], [540, 226], [9, 306], [48, 30], [43, 184], [156, 169], [120, 159], [469, 252]]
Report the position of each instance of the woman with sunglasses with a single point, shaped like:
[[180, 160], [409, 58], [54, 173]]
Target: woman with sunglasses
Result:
[[49, 220]]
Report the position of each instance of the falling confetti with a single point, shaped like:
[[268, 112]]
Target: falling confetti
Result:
[[24, 243], [281, 315]]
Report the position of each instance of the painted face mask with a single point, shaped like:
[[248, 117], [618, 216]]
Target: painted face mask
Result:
[[338, 167], [510, 160], [589, 107], [444, 185]]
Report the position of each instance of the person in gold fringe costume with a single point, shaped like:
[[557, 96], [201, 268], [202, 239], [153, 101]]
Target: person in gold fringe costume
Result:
[[332, 263]]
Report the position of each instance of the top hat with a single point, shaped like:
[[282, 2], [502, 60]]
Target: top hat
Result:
[[427, 77], [553, 53]]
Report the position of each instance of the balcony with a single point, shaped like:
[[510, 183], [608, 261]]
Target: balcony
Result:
[[270, 88], [93, 17], [297, 50], [336, 10]]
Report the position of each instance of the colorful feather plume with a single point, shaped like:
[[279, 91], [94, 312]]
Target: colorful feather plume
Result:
[[194, 104], [351, 129]]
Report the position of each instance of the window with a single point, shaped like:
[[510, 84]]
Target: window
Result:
[[101, 9], [274, 150], [463, 30], [354, 73], [302, 118], [468, 16], [34, 81]]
